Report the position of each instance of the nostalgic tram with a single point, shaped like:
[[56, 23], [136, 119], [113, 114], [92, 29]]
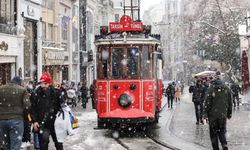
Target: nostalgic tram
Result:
[[128, 88]]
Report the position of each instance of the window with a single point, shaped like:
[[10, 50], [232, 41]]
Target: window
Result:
[[146, 63], [48, 4], [44, 31], [133, 60], [50, 32], [65, 26], [89, 22], [7, 16], [103, 61], [117, 18], [118, 62]]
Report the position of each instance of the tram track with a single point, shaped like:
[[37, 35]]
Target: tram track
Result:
[[123, 144], [161, 143]]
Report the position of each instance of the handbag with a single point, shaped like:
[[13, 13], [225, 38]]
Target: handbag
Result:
[[74, 121]]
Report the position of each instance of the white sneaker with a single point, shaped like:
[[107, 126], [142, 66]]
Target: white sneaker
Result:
[[28, 144], [23, 145]]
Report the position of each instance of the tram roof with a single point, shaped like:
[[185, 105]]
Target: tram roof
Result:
[[118, 38]]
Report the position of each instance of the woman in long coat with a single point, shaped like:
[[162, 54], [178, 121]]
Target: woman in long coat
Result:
[[177, 92]]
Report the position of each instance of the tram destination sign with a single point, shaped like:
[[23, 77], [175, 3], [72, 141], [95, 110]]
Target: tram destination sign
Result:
[[125, 24]]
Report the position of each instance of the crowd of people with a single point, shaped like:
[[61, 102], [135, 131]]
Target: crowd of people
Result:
[[34, 109], [213, 102]]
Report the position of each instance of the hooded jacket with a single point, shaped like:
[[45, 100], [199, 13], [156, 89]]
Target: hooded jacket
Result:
[[218, 101]]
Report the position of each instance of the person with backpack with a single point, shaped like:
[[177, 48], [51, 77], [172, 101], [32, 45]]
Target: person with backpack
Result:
[[218, 108], [198, 99], [170, 92]]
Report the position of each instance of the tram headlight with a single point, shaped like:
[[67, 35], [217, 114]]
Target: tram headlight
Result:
[[125, 100]]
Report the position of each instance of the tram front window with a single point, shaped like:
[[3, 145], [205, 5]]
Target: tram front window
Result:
[[117, 62], [132, 64]]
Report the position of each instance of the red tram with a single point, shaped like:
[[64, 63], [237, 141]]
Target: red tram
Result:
[[128, 88]]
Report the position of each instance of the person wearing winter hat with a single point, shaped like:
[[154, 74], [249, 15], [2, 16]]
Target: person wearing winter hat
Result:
[[45, 103], [14, 104], [218, 108]]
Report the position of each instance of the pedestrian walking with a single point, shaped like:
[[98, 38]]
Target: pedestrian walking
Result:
[[178, 92], [45, 103], [27, 120], [92, 94], [235, 90], [14, 105], [218, 108], [84, 91], [198, 99], [170, 94]]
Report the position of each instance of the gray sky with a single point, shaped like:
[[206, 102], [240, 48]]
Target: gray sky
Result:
[[145, 4]]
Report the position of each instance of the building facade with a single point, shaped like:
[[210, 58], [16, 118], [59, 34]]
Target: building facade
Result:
[[98, 13], [59, 53], [11, 40], [31, 12]]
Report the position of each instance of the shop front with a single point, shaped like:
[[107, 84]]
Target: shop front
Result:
[[53, 62], [31, 12], [10, 58]]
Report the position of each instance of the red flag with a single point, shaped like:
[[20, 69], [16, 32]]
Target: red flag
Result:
[[245, 72]]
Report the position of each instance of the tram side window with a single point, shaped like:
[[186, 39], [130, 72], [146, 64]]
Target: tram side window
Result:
[[117, 59], [146, 69], [103, 57], [133, 59]]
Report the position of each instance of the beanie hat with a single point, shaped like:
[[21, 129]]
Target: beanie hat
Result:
[[218, 75], [17, 80], [46, 78]]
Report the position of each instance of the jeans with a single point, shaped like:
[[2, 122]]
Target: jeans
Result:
[[11, 133], [198, 111]]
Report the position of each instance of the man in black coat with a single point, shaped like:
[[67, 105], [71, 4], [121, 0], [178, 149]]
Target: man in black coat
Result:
[[84, 95], [218, 108], [235, 89], [198, 99], [170, 92], [45, 103]]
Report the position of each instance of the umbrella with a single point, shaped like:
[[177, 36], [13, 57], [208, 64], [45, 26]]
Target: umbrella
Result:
[[205, 74]]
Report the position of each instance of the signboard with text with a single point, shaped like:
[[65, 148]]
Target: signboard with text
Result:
[[125, 24]]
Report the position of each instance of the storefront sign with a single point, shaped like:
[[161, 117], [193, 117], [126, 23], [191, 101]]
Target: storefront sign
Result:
[[4, 46], [53, 57]]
